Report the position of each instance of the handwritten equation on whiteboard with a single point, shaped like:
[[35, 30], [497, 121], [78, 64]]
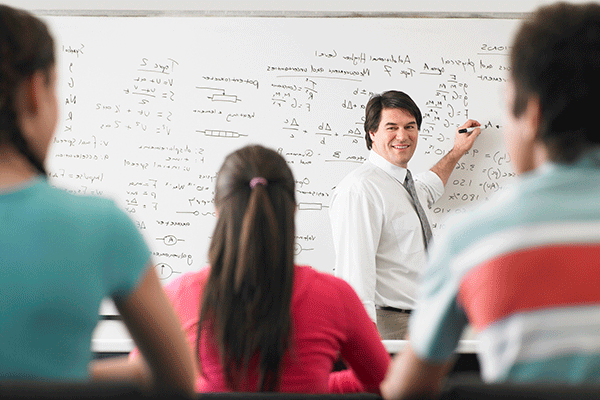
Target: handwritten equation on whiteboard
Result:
[[147, 118]]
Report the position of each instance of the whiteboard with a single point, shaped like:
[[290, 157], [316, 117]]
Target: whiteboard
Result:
[[150, 106]]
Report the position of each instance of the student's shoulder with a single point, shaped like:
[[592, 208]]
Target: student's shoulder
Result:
[[189, 282], [321, 283], [75, 198], [479, 222], [91, 215], [77, 205]]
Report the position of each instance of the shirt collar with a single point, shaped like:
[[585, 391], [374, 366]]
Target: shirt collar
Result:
[[394, 171], [589, 160]]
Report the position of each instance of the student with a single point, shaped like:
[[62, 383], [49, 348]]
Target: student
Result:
[[380, 229], [257, 321], [523, 269], [61, 254]]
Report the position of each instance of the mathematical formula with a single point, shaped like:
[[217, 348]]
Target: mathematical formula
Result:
[[147, 119]]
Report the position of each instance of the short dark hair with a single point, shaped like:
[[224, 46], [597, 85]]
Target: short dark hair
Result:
[[555, 57], [389, 99]]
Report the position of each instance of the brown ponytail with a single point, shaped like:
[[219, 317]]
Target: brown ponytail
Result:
[[246, 301], [25, 47]]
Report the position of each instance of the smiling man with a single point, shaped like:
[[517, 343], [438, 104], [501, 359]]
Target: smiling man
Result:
[[380, 233]]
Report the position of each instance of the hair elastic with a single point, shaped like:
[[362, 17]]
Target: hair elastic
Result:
[[258, 180]]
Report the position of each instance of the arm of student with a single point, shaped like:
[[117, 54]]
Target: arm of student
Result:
[[412, 377], [363, 350], [121, 369], [462, 143], [152, 322], [356, 228]]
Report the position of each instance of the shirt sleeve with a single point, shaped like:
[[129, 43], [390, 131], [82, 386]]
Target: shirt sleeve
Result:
[[429, 186], [363, 351], [436, 325], [127, 254], [356, 226]]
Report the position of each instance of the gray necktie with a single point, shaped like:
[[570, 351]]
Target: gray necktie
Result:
[[409, 184]]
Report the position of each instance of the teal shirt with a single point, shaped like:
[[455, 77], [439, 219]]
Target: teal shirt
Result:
[[60, 255]]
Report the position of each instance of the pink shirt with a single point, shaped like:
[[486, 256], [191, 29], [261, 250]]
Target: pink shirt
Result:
[[328, 322]]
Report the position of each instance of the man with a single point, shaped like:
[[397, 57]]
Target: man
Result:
[[523, 269], [379, 238]]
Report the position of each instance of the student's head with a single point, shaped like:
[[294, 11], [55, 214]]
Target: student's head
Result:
[[392, 124], [553, 93], [28, 105], [246, 302]]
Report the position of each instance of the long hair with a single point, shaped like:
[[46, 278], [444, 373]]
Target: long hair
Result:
[[247, 298], [25, 47]]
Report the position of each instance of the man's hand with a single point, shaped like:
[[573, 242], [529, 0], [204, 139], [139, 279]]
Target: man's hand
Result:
[[464, 141]]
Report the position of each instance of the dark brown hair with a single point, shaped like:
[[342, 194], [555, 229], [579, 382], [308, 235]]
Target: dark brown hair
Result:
[[247, 298], [389, 99], [25, 47], [555, 58]]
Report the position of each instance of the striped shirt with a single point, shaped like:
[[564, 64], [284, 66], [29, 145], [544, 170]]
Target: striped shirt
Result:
[[524, 271]]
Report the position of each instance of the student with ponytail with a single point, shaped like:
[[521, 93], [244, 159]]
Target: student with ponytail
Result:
[[257, 321], [61, 254]]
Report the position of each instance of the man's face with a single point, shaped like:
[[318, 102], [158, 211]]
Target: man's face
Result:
[[396, 136]]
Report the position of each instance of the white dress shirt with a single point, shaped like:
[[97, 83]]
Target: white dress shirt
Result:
[[377, 235]]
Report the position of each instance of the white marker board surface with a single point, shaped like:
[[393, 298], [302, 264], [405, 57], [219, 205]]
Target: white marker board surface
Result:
[[151, 105]]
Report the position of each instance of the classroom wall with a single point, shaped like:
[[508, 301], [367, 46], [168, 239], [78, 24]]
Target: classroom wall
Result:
[[109, 141], [155, 145], [445, 6]]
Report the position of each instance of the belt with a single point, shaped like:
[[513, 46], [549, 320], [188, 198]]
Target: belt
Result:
[[400, 310]]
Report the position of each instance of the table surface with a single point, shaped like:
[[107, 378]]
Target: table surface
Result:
[[112, 337]]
